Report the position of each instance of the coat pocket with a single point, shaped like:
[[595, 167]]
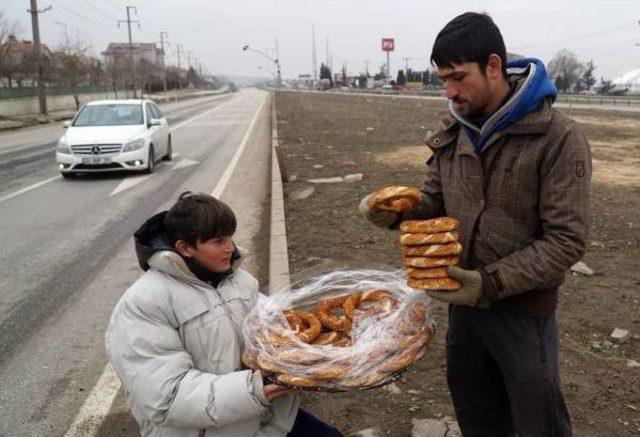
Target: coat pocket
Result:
[[500, 244]]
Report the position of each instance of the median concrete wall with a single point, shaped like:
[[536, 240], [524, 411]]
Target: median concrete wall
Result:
[[29, 105]]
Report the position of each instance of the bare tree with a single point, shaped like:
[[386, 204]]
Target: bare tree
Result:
[[9, 58], [566, 70], [72, 66]]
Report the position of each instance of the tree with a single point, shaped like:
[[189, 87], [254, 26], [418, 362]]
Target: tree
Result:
[[588, 79], [362, 80], [566, 71], [344, 78], [71, 66], [605, 86], [401, 79], [325, 73], [382, 73]]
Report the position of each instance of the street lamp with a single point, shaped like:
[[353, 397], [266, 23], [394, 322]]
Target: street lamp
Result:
[[276, 61]]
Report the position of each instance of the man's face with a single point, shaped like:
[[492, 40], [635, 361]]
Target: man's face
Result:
[[214, 254], [468, 87]]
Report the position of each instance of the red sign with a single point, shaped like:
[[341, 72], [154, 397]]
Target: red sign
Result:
[[387, 44]]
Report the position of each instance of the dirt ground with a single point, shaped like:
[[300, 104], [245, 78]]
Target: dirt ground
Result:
[[382, 138]]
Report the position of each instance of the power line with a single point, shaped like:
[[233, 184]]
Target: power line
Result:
[[69, 10], [609, 30], [111, 4], [104, 14]]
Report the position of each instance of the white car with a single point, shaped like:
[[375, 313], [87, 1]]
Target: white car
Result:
[[114, 135]]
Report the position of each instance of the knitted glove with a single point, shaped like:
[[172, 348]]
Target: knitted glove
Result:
[[380, 218], [470, 292]]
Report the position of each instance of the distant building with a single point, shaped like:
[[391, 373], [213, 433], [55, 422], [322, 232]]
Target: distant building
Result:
[[14, 51], [118, 54], [627, 84]]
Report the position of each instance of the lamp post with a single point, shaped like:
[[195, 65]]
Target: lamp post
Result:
[[274, 60]]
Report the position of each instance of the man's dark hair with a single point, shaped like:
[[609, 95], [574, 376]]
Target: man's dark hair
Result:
[[470, 37], [199, 217]]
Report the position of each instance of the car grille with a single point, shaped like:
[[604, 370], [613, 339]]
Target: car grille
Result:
[[96, 149]]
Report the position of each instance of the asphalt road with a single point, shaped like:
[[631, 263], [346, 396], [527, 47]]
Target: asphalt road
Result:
[[67, 257]]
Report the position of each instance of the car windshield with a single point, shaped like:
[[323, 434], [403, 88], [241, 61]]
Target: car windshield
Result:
[[109, 115]]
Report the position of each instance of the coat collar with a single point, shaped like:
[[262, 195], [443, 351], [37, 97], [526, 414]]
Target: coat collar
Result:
[[172, 264]]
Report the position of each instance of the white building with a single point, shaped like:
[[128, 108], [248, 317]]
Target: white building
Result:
[[630, 81]]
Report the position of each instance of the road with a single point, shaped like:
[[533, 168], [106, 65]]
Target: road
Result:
[[67, 255]]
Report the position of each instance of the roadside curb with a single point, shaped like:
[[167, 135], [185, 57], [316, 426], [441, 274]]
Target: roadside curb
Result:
[[279, 279]]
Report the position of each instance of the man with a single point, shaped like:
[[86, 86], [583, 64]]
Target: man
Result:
[[516, 173]]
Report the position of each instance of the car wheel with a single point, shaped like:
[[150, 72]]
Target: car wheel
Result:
[[169, 155], [68, 175], [151, 161]]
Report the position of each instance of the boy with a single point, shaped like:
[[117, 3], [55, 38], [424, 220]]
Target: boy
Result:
[[175, 336]]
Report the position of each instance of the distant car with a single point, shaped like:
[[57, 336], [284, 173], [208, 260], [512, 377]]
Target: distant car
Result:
[[386, 88], [114, 135]]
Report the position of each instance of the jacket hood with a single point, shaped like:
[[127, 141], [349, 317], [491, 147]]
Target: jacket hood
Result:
[[533, 85], [154, 249]]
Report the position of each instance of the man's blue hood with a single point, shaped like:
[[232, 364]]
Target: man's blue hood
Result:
[[536, 86]]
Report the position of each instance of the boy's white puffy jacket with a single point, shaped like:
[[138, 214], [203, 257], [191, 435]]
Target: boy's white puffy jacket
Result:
[[175, 342]]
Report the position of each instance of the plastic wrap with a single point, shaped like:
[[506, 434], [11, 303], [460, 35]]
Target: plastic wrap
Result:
[[386, 331]]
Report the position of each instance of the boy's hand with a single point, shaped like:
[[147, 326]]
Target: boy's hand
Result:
[[274, 391]]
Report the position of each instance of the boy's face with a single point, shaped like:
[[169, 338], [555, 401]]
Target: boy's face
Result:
[[214, 254]]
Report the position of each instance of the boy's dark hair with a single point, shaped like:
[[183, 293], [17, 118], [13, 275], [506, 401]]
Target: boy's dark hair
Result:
[[470, 37], [199, 217]]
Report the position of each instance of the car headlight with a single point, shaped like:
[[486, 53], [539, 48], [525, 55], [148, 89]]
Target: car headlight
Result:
[[63, 147], [134, 145]]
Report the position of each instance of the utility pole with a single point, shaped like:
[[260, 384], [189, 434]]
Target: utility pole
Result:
[[314, 59], [42, 98], [129, 21], [164, 34], [189, 70], [279, 78], [178, 48], [406, 65]]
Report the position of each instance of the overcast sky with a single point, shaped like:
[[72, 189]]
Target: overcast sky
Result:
[[215, 31]]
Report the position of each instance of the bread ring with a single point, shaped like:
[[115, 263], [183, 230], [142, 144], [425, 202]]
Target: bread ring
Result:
[[354, 300], [366, 380], [395, 198], [297, 356], [445, 284], [402, 361], [295, 322], [433, 249], [309, 334], [276, 337], [326, 338], [330, 321], [420, 239], [269, 365], [297, 381], [328, 371], [249, 359], [435, 272], [431, 261], [433, 226]]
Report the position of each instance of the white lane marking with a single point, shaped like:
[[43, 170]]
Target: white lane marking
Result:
[[189, 120], [128, 182], [222, 183], [97, 405], [29, 188], [178, 126], [186, 162]]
